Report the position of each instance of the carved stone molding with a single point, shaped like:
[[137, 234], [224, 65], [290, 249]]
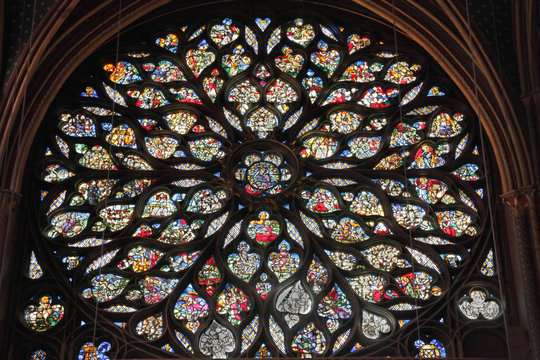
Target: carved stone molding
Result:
[[517, 201], [521, 203]]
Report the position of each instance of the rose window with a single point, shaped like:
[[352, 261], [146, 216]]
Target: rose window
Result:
[[261, 188]]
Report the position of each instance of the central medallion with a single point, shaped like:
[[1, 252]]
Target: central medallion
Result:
[[263, 167], [263, 175]]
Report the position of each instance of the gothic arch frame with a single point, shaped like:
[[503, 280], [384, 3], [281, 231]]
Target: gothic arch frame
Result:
[[54, 54]]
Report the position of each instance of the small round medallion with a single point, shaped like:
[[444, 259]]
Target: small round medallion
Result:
[[263, 167], [263, 176]]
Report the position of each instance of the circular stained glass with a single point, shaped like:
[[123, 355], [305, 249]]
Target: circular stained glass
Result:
[[262, 187], [263, 175], [264, 167]]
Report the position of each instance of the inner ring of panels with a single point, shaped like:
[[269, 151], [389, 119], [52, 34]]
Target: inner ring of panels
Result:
[[262, 188]]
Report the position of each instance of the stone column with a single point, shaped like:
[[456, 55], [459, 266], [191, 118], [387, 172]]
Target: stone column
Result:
[[533, 201], [519, 205]]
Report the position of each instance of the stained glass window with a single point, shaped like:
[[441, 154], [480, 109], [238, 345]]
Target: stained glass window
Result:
[[251, 187]]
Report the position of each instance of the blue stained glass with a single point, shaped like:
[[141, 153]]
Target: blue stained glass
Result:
[[434, 349], [34, 270], [263, 23], [292, 119], [326, 31], [196, 33], [38, 355], [436, 91], [169, 42], [89, 92], [63, 146], [277, 335], [308, 127], [249, 333], [233, 119], [411, 94], [311, 224], [251, 39], [275, 37], [184, 341], [93, 352]]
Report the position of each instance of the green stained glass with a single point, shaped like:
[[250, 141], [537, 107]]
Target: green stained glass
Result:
[[44, 314]]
